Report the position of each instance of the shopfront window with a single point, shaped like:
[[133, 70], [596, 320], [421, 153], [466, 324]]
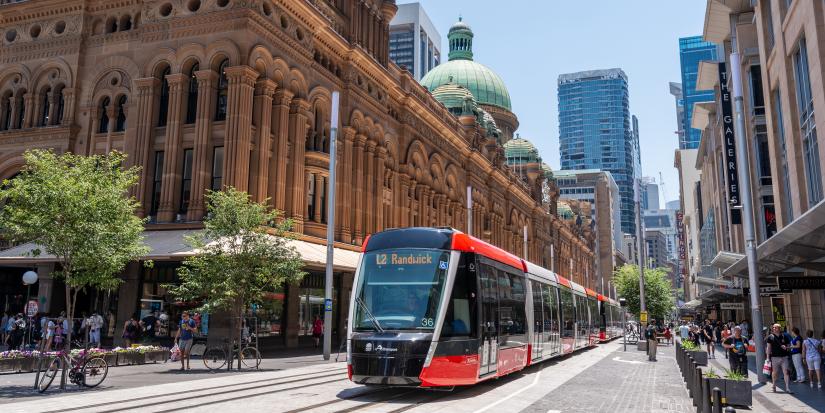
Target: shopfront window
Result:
[[269, 314]]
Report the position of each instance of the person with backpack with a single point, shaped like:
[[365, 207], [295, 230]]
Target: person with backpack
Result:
[[813, 357], [737, 348], [131, 331]]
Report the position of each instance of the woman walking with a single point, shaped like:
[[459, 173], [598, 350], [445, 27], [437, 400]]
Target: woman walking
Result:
[[130, 331], [796, 355], [810, 350], [317, 330]]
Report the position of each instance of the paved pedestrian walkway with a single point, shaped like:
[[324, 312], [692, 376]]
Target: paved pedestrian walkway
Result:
[[622, 382], [803, 400]]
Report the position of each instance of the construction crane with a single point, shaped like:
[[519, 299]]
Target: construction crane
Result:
[[662, 184]]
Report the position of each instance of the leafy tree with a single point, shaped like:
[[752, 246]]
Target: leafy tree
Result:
[[242, 253], [76, 208], [658, 294]]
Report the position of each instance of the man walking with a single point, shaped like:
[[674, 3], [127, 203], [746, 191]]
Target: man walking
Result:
[[737, 346], [184, 338], [94, 324], [778, 352], [684, 331], [650, 335]]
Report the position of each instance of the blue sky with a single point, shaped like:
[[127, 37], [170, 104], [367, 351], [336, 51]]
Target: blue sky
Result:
[[529, 43]]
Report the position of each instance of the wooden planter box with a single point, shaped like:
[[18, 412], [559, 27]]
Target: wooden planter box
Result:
[[130, 358], [156, 356], [10, 365], [27, 364], [700, 357], [734, 392], [110, 358]]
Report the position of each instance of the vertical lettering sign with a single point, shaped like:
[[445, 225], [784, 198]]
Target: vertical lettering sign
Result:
[[729, 138], [680, 234]]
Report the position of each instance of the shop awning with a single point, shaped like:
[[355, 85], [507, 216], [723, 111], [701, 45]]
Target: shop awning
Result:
[[717, 295], [725, 259], [716, 282], [796, 248], [707, 77], [171, 245], [690, 305]]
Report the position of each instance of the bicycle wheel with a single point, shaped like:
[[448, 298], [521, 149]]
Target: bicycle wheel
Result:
[[94, 372], [250, 357], [214, 358], [48, 376]]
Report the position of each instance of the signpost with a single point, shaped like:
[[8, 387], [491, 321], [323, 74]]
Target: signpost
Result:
[[643, 317], [731, 306], [32, 308], [731, 174], [330, 228]]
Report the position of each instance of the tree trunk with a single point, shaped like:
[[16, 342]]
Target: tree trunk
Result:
[[240, 331], [67, 345]]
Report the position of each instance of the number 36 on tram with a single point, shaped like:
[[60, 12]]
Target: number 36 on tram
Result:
[[433, 307]]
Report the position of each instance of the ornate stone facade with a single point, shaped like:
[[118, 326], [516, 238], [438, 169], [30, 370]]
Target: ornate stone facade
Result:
[[206, 93]]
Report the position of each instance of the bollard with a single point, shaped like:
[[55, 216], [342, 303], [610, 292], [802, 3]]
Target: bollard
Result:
[[717, 400], [705, 396], [697, 387]]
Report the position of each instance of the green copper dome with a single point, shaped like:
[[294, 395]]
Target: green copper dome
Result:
[[564, 211], [547, 170], [520, 151], [485, 85]]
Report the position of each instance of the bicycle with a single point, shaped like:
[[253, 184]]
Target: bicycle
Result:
[[214, 358], [85, 371]]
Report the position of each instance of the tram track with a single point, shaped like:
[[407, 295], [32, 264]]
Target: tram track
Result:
[[199, 393]]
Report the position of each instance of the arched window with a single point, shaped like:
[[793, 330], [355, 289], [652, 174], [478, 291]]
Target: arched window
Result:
[[163, 110], [125, 22], [45, 105], [192, 97], [111, 25], [21, 110], [120, 112], [223, 89], [103, 125]]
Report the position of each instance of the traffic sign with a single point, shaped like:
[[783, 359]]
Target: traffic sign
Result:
[[328, 304], [643, 317], [31, 308]]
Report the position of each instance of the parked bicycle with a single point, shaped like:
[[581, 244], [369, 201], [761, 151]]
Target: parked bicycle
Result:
[[214, 358], [83, 370]]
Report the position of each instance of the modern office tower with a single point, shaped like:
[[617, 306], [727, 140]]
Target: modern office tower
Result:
[[693, 50], [414, 41], [650, 193], [595, 131], [676, 91]]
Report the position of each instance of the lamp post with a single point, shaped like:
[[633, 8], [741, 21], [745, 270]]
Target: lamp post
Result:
[[29, 278], [623, 303]]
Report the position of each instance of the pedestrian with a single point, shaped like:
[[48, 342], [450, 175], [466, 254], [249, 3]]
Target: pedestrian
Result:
[[778, 350], [737, 346], [650, 334], [317, 330], [17, 331], [745, 328], [725, 334], [131, 331], [184, 338], [796, 355], [150, 325], [94, 323], [684, 331], [812, 357], [48, 334], [3, 322], [707, 335]]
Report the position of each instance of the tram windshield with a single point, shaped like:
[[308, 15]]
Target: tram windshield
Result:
[[400, 289]]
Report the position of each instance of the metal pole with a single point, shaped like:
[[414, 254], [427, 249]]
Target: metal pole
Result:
[[747, 211], [525, 243], [552, 258], [469, 210], [640, 245], [29, 318], [624, 328], [330, 228]]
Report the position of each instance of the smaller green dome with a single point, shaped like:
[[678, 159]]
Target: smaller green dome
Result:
[[460, 39], [564, 211], [453, 96], [547, 170], [520, 151]]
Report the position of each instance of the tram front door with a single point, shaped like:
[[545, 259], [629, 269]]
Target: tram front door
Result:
[[488, 279]]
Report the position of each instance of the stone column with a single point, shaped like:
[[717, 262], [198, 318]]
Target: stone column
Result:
[[54, 100], [28, 115], [4, 105], [37, 109], [202, 151], [370, 192], [358, 181], [403, 202], [293, 305], [170, 182], [68, 106], [94, 120], [238, 138], [259, 171], [319, 188], [111, 112], [139, 150], [280, 148], [380, 165], [298, 126], [344, 186]]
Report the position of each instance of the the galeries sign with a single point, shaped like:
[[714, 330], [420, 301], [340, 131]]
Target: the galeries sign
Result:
[[802, 283]]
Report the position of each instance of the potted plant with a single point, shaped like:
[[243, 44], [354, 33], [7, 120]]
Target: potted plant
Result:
[[738, 390], [700, 356], [715, 381]]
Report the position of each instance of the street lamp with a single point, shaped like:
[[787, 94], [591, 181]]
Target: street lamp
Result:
[[29, 278], [623, 304]]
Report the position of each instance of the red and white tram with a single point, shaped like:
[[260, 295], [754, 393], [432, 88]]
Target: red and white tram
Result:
[[433, 307]]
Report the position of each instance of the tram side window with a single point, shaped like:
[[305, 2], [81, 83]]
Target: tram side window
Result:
[[461, 312], [595, 317], [512, 315], [581, 315], [568, 312], [551, 323], [538, 318]]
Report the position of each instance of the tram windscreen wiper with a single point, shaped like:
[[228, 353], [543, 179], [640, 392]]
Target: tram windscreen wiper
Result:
[[369, 313]]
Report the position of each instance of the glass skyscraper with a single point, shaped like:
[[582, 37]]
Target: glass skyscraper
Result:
[[693, 50], [595, 131]]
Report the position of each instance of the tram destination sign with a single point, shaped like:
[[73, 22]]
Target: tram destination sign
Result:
[[731, 174], [802, 283]]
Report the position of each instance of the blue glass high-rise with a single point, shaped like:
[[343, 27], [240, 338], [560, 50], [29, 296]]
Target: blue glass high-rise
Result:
[[693, 50], [595, 131]]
